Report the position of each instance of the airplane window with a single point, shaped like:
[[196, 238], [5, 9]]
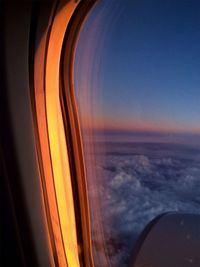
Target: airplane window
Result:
[[137, 87]]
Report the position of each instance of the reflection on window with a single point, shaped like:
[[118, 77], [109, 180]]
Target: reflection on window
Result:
[[137, 78]]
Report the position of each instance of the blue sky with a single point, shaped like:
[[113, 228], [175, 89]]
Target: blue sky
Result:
[[140, 60]]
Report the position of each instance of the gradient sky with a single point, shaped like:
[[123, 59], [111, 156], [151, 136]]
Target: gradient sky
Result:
[[138, 65]]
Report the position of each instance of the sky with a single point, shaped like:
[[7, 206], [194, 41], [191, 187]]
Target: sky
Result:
[[137, 66]]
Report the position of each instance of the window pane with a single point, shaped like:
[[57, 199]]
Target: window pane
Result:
[[137, 86]]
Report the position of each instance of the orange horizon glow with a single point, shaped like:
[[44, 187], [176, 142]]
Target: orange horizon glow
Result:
[[135, 126]]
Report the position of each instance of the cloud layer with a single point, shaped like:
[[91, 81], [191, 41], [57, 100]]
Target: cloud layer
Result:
[[139, 182]]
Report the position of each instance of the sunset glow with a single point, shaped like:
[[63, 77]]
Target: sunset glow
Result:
[[143, 78]]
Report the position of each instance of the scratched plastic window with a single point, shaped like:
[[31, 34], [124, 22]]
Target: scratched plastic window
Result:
[[137, 86]]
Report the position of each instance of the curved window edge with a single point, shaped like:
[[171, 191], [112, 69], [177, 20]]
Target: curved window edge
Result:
[[61, 163]]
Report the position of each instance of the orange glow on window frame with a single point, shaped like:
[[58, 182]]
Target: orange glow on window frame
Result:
[[57, 141], [57, 187]]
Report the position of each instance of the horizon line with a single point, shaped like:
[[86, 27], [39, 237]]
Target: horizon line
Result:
[[138, 131]]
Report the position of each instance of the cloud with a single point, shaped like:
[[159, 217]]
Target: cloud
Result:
[[136, 187]]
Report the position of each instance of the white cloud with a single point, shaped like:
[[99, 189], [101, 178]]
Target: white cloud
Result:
[[135, 188]]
